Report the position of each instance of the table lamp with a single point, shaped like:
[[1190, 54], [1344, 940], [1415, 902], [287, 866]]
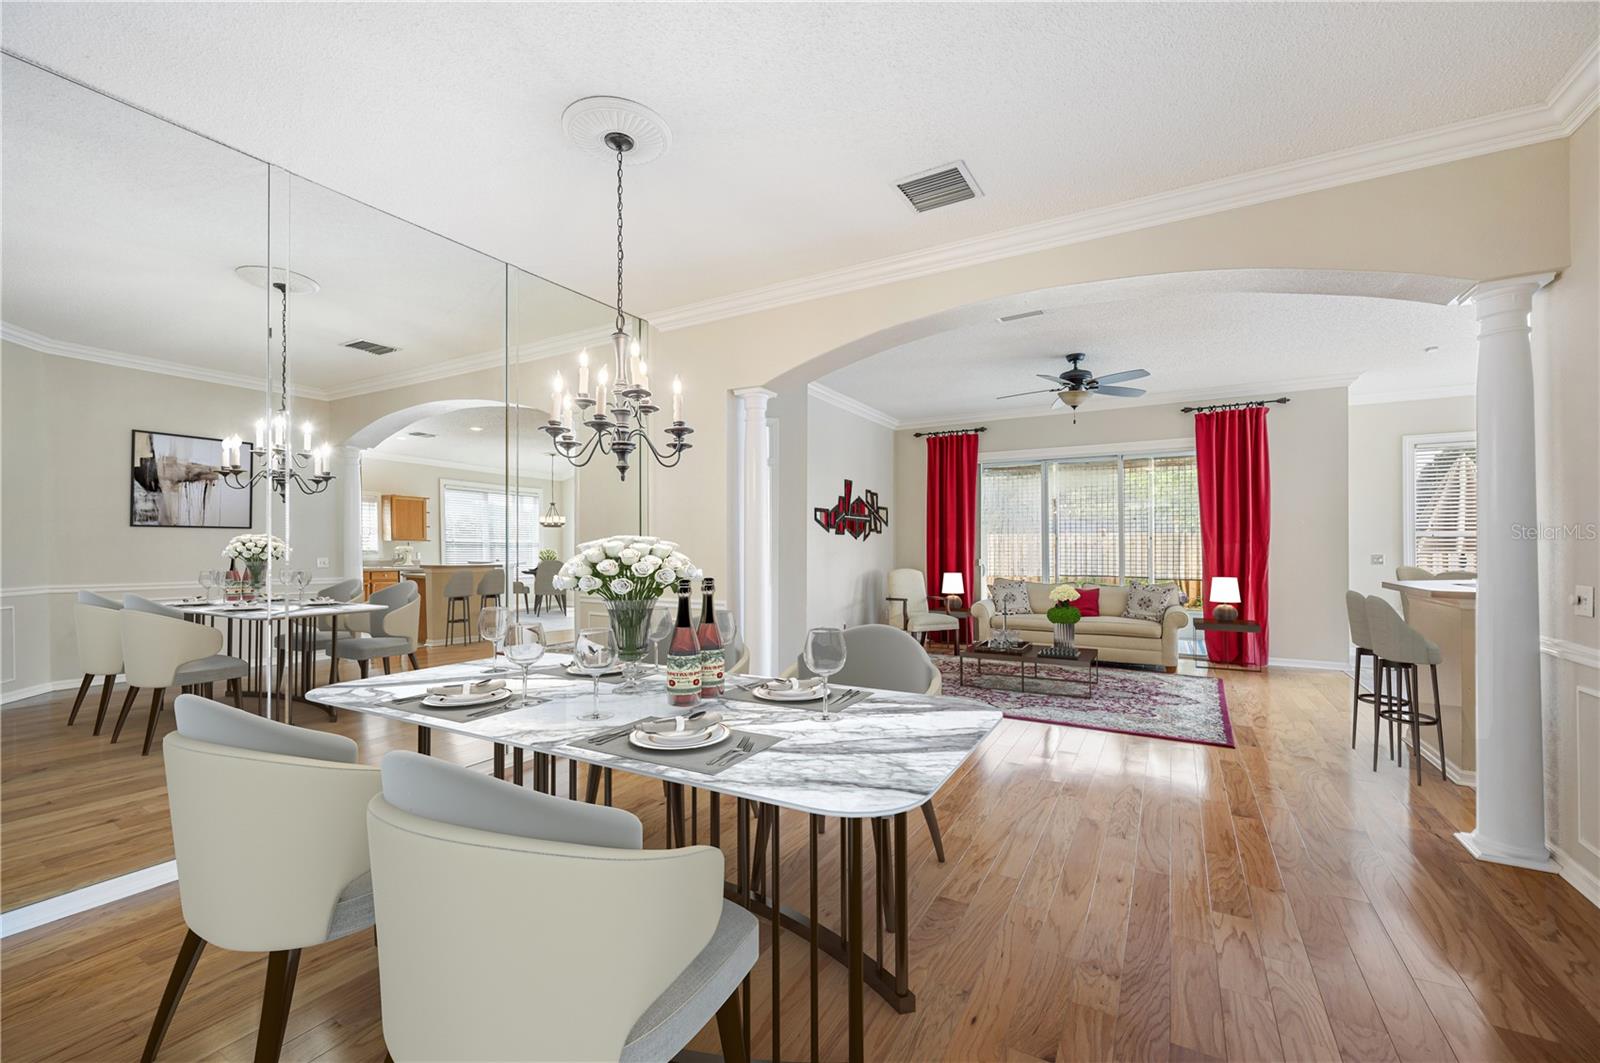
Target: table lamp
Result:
[[1225, 598], [953, 587]]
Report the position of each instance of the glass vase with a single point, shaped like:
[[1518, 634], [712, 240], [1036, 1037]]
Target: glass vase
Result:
[[1066, 640], [630, 636]]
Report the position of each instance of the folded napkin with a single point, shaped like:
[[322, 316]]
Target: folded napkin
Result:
[[696, 721], [793, 684], [456, 690]]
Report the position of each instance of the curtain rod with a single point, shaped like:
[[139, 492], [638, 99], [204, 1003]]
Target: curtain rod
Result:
[[1237, 405], [950, 432]]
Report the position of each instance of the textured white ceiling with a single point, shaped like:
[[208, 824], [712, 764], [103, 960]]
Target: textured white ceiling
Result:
[[1196, 345], [456, 442], [792, 121]]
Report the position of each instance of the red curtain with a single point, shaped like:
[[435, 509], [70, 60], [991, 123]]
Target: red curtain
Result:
[[1235, 477], [953, 514]]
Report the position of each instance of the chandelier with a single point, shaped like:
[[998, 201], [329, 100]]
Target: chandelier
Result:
[[616, 414], [271, 455], [552, 517]]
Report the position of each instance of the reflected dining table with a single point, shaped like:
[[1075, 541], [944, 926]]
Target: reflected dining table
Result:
[[886, 755], [250, 630]]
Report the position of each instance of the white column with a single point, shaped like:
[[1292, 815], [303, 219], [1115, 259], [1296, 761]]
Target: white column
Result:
[[756, 592], [1510, 827], [346, 467]]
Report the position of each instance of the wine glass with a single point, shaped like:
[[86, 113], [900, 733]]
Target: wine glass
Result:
[[525, 644], [727, 632], [300, 579], [492, 624], [208, 579], [593, 655], [825, 653]]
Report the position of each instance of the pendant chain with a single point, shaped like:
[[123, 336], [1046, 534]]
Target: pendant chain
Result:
[[620, 319]]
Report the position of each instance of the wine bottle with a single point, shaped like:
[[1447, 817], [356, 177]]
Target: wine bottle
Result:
[[683, 655], [712, 662]]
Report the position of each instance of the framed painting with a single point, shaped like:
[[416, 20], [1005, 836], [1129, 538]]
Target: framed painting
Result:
[[176, 482]]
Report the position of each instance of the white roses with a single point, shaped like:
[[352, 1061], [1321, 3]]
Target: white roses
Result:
[[253, 547], [626, 567]]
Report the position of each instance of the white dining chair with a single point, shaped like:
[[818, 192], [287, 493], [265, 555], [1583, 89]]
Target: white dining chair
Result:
[[886, 658], [98, 629], [392, 633], [161, 650], [638, 950], [908, 604], [269, 830]]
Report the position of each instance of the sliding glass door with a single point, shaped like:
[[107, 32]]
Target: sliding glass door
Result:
[[1101, 519]]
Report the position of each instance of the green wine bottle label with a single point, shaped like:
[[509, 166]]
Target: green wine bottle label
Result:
[[683, 672], [712, 665]]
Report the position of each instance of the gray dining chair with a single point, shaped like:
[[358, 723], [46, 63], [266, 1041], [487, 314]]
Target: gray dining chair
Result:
[[544, 587], [393, 631], [452, 990]]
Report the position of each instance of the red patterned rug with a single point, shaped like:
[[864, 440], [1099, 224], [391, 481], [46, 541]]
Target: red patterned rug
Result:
[[1135, 701]]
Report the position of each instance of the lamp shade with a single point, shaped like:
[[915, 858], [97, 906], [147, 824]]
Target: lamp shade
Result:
[[954, 583], [1225, 589]]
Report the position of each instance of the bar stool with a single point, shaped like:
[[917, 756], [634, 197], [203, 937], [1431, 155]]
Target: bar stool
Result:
[[1355, 607], [491, 586], [458, 590], [1400, 650], [520, 592]]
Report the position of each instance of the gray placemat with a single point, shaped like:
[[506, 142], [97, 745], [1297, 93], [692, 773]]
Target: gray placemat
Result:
[[841, 697], [712, 760], [559, 671], [469, 713]]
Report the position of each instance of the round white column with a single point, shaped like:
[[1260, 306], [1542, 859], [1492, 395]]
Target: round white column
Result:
[[756, 522], [346, 466], [1510, 828]]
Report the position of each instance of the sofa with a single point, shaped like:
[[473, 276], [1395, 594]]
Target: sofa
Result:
[[1120, 639]]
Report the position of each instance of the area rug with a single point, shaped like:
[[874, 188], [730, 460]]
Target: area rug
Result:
[[1183, 708]]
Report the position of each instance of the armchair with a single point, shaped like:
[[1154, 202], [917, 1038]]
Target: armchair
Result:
[[908, 606]]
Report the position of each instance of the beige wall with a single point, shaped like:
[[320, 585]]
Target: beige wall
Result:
[[1566, 361], [1307, 561], [1377, 479], [387, 477], [1491, 216], [66, 451]]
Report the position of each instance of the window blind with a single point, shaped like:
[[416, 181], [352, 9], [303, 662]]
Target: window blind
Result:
[[1084, 521], [474, 525], [1443, 522], [1009, 499], [369, 525]]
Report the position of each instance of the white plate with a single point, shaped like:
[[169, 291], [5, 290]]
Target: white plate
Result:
[[457, 701], [717, 732], [765, 694], [578, 673]]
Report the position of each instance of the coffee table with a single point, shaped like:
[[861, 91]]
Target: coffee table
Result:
[[1087, 662]]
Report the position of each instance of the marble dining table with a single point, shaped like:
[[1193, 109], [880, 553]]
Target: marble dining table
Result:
[[886, 754]]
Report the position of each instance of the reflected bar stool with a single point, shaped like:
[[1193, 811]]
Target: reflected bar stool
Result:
[[1401, 650], [490, 588], [1355, 607], [99, 632], [458, 591]]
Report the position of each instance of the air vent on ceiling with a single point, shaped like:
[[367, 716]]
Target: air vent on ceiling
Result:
[[424, 435], [371, 348], [939, 187], [1019, 317]]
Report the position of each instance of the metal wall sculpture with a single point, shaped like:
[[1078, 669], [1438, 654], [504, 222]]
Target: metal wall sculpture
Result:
[[858, 517]]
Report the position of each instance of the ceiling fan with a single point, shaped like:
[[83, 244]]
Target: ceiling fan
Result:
[[1075, 385]]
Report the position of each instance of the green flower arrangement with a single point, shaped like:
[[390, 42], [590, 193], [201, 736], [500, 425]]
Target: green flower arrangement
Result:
[[1063, 612], [548, 554]]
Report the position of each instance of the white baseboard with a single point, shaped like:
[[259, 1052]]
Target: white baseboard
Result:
[[1300, 662], [1580, 877], [55, 686], [82, 900]]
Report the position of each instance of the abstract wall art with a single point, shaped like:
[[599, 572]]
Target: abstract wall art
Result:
[[176, 482], [859, 517]]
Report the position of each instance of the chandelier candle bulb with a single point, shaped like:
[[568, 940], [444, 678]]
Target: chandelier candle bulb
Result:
[[557, 386], [677, 399], [305, 434], [644, 375], [583, 371], [261, 433]]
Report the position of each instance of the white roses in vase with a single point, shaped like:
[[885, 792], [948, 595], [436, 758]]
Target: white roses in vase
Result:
[[256, 549], [626, 568]]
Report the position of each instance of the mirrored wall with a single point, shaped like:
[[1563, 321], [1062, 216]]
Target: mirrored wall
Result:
[[198, 345]]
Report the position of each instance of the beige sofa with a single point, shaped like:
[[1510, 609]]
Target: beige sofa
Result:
[[1121, 639]]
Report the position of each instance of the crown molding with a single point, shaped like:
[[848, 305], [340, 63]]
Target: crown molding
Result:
[[1445, 391], [61, 349], [1228, 393], [1566, 108], [853, 406], [460, 466]]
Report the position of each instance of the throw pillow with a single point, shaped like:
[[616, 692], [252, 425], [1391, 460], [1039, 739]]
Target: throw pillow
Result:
[[1011, 597], [1151, 603], [1183, 596], [1088, 602]]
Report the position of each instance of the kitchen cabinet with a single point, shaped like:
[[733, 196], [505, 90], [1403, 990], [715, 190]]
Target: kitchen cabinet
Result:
[[405, 518]]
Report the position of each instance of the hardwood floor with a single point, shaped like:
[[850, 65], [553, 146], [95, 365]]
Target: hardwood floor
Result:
[[1105, 897]]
